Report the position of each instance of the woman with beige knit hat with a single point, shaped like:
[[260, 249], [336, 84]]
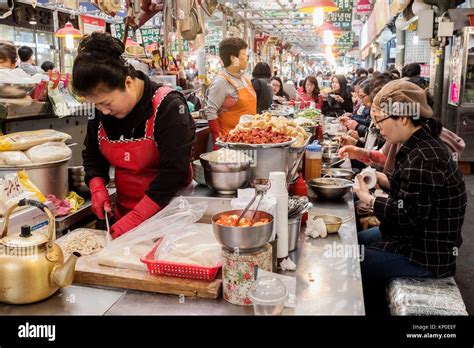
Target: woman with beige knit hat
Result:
[[421, 219]]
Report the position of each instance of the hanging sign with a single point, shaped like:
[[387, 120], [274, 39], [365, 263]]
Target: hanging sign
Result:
[[90, 24], [363, 6], [342, 17]]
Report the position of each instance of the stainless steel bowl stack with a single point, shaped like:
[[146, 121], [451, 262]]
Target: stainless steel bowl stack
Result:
[[330, 188], [337, 173], [243, 239], [225, 178]]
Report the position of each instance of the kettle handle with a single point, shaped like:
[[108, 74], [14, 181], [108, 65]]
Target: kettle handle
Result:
[[39, 205]]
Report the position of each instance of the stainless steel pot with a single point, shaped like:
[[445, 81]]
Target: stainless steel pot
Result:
[[243, 239], [50, 178], [266, 159]]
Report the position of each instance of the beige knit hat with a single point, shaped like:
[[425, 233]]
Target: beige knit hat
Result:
[[402, 98]]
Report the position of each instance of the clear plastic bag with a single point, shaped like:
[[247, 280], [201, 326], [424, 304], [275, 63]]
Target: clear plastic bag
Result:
[[193, 245], [126, 250], [425, 296]]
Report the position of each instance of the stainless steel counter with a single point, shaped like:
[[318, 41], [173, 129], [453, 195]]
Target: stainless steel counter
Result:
[[328, 279]]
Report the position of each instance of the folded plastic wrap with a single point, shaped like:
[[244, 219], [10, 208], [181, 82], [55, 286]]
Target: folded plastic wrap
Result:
[[49, 152], [425, 296], [26, 140], [193, 245], [14, 158], [126, 250]]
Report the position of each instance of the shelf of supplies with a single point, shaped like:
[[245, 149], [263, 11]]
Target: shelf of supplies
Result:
[[35, 109]]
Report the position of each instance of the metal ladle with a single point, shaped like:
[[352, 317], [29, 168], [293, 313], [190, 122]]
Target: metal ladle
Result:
[[261, 187]]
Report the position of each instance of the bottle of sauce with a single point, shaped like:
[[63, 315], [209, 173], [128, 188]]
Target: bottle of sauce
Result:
[[313, 159]]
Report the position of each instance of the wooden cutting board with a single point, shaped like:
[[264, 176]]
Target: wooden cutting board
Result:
[[88, 271]]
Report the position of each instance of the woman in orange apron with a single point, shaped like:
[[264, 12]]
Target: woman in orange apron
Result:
[[231, 94], [142, 129]]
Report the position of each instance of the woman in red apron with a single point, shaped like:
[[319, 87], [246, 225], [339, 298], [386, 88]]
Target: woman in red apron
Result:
[[230, 94], [144, 130]]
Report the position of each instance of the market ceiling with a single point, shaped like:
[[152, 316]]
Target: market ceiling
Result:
[[279, 18]]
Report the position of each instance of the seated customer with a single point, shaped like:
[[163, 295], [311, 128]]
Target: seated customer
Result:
[[421, 220]]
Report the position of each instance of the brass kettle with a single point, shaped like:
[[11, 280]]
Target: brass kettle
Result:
[[32, 266]]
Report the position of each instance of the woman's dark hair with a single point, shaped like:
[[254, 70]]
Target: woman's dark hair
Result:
[[280, 93], [377, 83], [230, 47], [25, 53], [7, 52], [343, 91], [433, 125], [394, 71], [312, 79], [410, 70], [370, 70], [262, 70], [99, 63], [359, 81], [46, 66], [361, 72]]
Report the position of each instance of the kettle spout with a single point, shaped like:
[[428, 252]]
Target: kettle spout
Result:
[[62, 276]]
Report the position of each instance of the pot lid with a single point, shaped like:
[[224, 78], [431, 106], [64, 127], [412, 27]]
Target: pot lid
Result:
[[24, 239]]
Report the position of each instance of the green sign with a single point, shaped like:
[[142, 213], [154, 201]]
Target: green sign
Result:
[[184, 46], [345, 41], [342, 17], [149, 36], [118, 30], [145, 36]]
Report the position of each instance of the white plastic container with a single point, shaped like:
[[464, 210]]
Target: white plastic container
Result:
[[279, 191]]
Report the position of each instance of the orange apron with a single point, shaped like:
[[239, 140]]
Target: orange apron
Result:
[[246, 105]]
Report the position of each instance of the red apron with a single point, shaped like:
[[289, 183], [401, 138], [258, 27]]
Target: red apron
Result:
[[136, 161]]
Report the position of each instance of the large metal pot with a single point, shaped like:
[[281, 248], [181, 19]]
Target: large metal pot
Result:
[[50, 178], [266, 159]]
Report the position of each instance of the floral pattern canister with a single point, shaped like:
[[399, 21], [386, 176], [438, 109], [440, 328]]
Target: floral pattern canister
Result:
[[238, 273]]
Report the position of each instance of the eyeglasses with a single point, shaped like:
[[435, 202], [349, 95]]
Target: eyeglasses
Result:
[[362, 96], [378, 122]]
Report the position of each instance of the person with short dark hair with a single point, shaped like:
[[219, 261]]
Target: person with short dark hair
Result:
[[370, 71], [230, 94], [261, 84], [47, 66], [8, 56], [143, 129], [27, 62]]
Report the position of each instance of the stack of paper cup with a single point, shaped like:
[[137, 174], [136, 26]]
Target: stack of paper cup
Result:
[[279, 191]]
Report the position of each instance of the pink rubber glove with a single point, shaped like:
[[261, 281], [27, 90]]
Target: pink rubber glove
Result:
[[144, 209]]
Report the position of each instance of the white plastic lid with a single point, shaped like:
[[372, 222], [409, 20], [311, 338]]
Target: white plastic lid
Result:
[[268, 290]]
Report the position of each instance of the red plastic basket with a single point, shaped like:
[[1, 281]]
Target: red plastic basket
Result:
[[178, 270]]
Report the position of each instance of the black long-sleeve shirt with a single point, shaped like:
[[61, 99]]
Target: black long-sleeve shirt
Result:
[[333, 108], [175, 133]]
